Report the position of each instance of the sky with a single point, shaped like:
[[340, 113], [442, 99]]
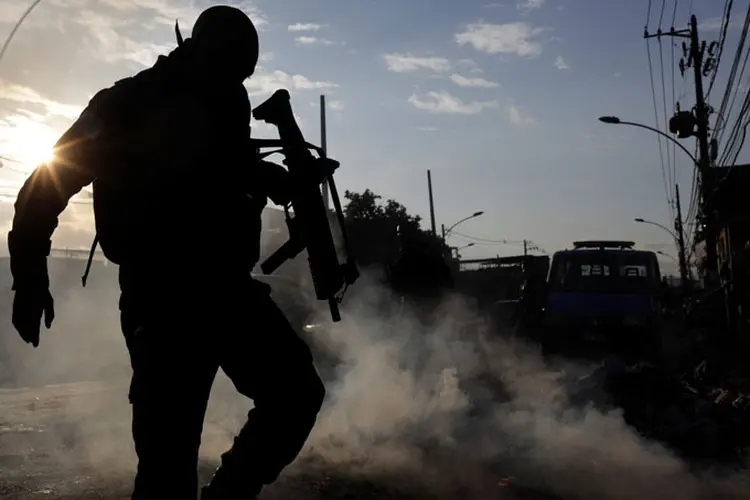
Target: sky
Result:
[[499, 100]]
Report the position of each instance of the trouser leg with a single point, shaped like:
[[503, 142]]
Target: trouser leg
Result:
[[274, 367], [169, 391]]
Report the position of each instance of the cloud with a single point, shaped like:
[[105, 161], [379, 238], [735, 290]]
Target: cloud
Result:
[[336, 105], [529, 5], [518, 117], [561, 64], [511, 38], [268, 82], [427, 129], [462, 81], [305, 27], [407, 63], [441, 102], [470, 65], [716, 24], [25, 95], [166, 11], [312, 40]]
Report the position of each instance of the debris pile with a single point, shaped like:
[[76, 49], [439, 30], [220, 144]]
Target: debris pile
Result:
[[704, 423]]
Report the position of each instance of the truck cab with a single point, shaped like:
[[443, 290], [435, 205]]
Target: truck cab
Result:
[[602, 292]]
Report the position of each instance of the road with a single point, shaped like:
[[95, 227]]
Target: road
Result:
[[72, 441]]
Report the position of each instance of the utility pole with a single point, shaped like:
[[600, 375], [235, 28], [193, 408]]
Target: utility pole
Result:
[[684, 275], [432, 203], [323, 144], [686, 124]]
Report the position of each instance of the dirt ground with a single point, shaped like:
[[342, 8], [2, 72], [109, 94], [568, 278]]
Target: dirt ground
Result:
[[71, 441]]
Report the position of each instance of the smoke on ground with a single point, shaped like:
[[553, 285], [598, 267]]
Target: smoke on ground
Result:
[[441, 404]]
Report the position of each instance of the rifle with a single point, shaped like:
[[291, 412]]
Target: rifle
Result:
[[309, 228]]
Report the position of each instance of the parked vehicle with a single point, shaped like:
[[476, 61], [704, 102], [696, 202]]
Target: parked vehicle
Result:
[[602, 293]]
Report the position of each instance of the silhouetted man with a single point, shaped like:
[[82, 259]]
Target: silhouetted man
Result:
[[178, 198]]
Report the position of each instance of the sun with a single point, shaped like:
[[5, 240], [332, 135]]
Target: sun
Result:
[[42, 155], [27, 141], [35, 149]]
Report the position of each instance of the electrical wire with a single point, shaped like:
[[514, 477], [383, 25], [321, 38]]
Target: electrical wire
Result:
[[725, 27], [656, 113], [674, 96]]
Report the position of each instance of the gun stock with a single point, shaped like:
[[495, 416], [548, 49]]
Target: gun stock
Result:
[[309, 227]]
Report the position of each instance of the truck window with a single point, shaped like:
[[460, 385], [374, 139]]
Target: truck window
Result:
[[603, 272]]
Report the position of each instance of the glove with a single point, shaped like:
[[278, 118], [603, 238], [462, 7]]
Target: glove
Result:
[[29, 304], [28, 265]]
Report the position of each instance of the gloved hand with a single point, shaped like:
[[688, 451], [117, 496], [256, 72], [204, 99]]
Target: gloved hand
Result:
[[29, 304]]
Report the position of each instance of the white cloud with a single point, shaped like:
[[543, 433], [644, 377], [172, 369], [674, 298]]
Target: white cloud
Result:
[[336, 105], [305, 27], [25, 95], [312, 40], [470, 65], [511, 38], [268, 82], [463, 81], [407, 63], [561, 64], [714, 24], [518, 117], [441, 102], [529, 5], [167, 11]]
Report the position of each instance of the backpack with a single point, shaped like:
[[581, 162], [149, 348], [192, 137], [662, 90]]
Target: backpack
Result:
[[114, 198]]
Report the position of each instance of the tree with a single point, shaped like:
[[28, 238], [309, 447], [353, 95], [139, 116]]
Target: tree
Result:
[[367, 206], [385, 233]]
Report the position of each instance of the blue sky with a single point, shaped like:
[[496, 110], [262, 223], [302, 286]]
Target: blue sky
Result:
[[499, 99]]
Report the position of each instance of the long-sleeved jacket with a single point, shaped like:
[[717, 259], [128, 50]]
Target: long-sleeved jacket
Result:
[[176, 196]]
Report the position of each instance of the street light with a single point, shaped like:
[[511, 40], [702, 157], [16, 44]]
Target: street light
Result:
[[446, 232], [613, 120], [458, 249], [665, 254], [644, 221], [682, 262]]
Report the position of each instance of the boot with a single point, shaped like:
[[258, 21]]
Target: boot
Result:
[[224, 486]]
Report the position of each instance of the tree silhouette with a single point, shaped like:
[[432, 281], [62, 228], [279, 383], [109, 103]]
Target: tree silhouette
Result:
[[367, 206], [385, 233]]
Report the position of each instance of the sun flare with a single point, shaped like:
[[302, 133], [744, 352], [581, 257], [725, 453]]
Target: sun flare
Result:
[[36, 151], [28, 142]]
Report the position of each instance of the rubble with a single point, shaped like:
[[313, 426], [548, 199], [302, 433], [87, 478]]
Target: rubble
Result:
[[704, 424]]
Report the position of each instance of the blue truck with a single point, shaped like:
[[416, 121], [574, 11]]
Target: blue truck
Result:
[[602, 293]]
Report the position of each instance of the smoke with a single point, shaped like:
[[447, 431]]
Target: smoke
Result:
[[446, 405], [423, 399]]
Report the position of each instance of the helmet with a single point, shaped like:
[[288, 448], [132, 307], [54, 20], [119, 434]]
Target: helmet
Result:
[[227, 38]]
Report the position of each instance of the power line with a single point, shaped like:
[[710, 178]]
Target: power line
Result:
[[725, 27], [656, 110]]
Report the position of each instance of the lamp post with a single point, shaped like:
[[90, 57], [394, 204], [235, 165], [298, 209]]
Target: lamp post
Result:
[[680, 240], [613, 120], [446, 232], [671, 257], [702, 164], [665, 228], [458, 249]]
